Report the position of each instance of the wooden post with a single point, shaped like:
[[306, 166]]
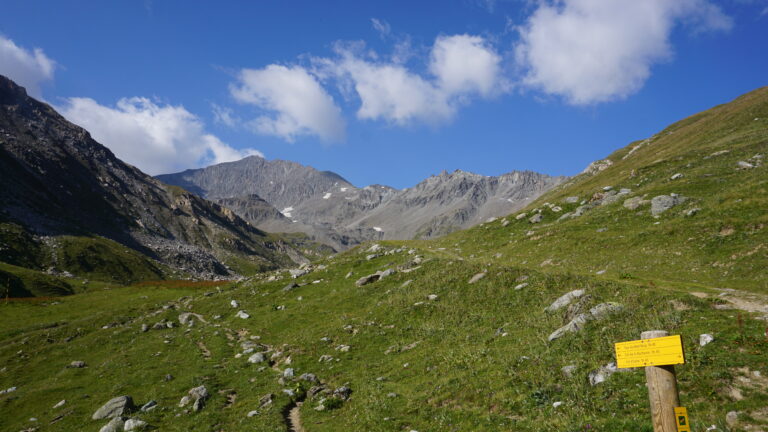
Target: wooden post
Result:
[[662, 391]]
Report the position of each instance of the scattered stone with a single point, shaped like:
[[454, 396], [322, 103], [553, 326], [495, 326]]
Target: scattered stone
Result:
[[115, 407], [288, 373], [635, 202], [577, 323], [144, 328], [521, 216], [349, 275], [386, 273], [252, 413], [168, 377], [365, 280], [197, 394], [601, 230], [234, 304], [569, 370], [266, 400], [536, 218], [518, 287], [692, 211], [432, 297], [600, 272], [343, 348], [557, 404], [676, 176], [607, 188], [115, 425], [77, 364], [375, 248], [242, 314], [372, 256], [602, 373], [135, 424], [406, 283], [325, 358], [308, 377], [705, 339], [297, 273], [343, 392], [60, 404], [290, 286], [477, 277], [565, 300], [571, 200], [149, 406], [187, 318], [391, 395], [744, 165], [257, 358], [662, 203]]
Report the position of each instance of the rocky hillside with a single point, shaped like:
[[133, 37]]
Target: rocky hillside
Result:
[[331, 210], [686, 207], [69, 205]]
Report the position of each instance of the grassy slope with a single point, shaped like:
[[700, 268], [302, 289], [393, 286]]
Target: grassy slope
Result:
[[463, 374], [723, 245]]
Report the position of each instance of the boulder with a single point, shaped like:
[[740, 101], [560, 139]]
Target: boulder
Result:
[[579, 321], [705, 339], [115, 425], [536, 218], [115, 407], [135, 424], [365, 280], [565, 300], [662, 203]]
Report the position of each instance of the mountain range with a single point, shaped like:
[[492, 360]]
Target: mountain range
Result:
[[284, 196]]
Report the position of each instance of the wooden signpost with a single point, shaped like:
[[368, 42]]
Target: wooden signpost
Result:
[[658, 353]]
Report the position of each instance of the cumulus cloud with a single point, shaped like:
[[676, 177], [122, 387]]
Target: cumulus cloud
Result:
[[460, 66], [155, 138], [293, 100], [466, 64], [591, 51], [225, 116], [28, 69]]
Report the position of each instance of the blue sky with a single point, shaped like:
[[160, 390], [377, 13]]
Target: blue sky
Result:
[[383, 92]]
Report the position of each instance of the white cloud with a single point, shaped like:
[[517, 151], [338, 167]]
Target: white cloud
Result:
[[297, 103], [466, 64], [28, 69], [461, 66], [381, 26], [591, 51], [157, 139], [224, 115]]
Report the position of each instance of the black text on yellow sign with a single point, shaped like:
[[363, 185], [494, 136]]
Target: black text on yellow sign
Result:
[[650, 352], [681, 417]]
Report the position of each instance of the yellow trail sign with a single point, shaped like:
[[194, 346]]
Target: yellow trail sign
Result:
[[650, 352], [681, 418]]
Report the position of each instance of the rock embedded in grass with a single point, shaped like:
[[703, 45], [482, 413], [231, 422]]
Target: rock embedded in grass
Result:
[[565, 300], [662, 203], [477, 277], [135, 424], [117, 424], [115, 407], [705, 339]]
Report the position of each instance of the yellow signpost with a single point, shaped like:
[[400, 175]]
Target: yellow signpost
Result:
[[681, 415], [650, 352]]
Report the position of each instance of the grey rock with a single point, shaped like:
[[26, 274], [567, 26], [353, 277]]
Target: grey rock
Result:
[[692, 211], [297, 273], [309, 377], [77, 364], [602, 374], [257, 358], [635, 202], [568, 370], [144, 328], [565, 300], [135, 424], [343, 392], [60, 404], [536, 218], [676, 176], [706, 339], [571, 200], [365, 280], [242, 314], [252, 413], [477, 277], [288, 373], [115, 407], [149, 406], [579, 321], [518, 287], [744, 165], [290, 286], [117, 424], [187, 317], [662, 203], [732, 418]]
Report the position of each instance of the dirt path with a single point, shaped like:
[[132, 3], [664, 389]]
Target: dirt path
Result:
[[294, 418], [746, 301]]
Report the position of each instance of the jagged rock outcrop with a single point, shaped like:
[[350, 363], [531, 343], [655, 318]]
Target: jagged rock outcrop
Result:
[[57, 180]]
